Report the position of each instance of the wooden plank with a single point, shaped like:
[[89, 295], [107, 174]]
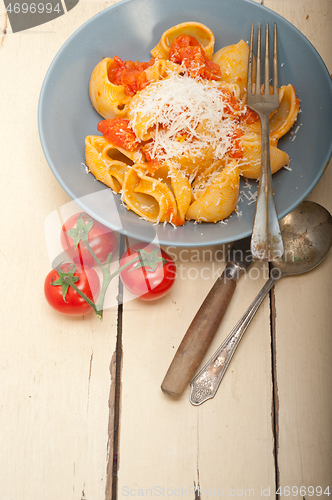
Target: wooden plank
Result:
[[169, 443], [304, 321], [55, 370]]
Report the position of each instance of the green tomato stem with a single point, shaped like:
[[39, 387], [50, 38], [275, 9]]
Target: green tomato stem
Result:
[[107, 278], [108, 261], [101, 299], [93, 254], [136, 259], [70, 282]]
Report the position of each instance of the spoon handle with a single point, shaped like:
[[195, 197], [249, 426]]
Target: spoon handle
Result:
[[205, 385]]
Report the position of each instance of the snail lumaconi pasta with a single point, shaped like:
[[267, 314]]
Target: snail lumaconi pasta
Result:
[[177, 134]]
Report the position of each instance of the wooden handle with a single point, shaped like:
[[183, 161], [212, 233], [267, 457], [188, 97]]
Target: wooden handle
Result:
[[198, 337]]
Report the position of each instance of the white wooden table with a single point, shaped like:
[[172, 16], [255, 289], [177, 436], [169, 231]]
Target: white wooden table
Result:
[[82, 415]]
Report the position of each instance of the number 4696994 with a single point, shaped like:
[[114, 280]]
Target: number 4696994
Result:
[[34, 8], [303, 491]]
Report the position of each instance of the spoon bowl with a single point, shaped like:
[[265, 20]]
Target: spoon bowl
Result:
[[307, 238]]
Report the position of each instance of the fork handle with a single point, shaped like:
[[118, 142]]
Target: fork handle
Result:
[[266, 240], [265, 154]]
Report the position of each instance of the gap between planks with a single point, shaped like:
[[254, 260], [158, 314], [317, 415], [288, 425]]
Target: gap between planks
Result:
[[114, 401], [275, 397]]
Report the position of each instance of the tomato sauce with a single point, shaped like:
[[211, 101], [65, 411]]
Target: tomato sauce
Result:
[[236, 150], [129, 74], [237, 109], [152, 161], [118, 132], [249, 116], [188, 51]]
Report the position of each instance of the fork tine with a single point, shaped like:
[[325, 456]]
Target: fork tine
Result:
[[275, 61], [258, 61], [267, 62], [251, 60]]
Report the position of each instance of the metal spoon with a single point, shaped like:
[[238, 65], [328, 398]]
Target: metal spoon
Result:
[[307, 237]]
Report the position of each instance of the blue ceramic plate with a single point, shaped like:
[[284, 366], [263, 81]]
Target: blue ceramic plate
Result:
[[131, 29]]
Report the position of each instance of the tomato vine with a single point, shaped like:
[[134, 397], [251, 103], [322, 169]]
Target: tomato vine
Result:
[[66, 277]]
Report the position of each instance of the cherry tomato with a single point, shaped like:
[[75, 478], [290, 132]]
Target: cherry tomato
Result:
[[101, 239], [148, 280], [72, 303]]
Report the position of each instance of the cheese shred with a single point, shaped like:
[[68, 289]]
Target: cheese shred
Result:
[[186, 117]]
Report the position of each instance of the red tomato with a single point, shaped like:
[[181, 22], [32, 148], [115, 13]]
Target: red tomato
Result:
[[236, 150], [129, 74], [249, 116], [101, 239], [149, 282], [187, 50], [73, 304], [238, 109], [118, 132]]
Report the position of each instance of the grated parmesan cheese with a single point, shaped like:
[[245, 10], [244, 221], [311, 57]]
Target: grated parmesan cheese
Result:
[[187, 117]]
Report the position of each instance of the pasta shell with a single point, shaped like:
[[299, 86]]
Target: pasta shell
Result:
[[201, 32], [281, 120], [109, 100], [143, 124], [212, 169], [156, 71], [118, 154], [171, 67], [250, 164], [233, 62], [219, 199], [110, 171], [148, 197], [179, 185], [233, 88]]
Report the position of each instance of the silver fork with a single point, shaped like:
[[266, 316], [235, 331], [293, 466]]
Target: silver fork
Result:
[[266, 240]]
